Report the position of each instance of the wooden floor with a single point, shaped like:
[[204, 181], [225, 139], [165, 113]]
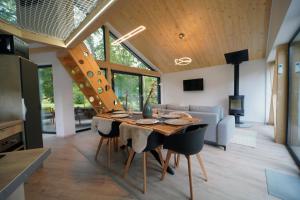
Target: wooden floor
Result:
[[239, 173]]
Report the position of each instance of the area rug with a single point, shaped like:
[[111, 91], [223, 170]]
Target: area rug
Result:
[[283, 186], [244, 137]]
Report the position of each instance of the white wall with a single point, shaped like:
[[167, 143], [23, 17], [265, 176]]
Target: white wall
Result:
[[63, 96], [218, 84]]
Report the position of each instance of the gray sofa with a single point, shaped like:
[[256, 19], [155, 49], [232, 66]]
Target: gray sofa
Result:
[[220, 128]]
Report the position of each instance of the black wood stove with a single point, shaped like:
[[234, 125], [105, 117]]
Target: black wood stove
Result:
[[236, 101]]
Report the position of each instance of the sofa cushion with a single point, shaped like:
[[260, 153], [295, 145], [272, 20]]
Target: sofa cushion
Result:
[[212, 120], [159, 106], [175, 107], [209, 109]]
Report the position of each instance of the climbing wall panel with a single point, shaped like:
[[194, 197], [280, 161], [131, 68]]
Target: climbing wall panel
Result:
[[84, 70]]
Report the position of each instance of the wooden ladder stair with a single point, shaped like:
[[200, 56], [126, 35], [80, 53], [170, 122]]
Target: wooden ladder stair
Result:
[[84, 70]]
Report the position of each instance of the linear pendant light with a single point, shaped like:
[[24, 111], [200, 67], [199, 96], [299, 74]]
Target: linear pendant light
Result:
[[129, 35], [91, 21]]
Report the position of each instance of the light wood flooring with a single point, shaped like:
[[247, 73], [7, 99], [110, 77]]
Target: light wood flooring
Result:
[[238, 173]]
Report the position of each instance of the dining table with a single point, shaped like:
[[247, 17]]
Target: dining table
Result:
[[160, 127]]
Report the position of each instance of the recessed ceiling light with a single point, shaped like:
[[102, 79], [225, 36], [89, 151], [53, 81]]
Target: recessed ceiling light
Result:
[[183, 61], [129, 35], [181, 36]]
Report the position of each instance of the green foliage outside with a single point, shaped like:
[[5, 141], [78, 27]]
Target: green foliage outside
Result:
[[8, 10], [79, 99], [127, 86], [46, 91], [46, 87], [120, 55], [148, 83], [95, 44]]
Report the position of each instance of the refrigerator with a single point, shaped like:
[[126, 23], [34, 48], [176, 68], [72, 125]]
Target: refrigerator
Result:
[[19, 97]]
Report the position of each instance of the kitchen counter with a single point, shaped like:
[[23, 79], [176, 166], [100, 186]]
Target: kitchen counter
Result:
[[16, 167]]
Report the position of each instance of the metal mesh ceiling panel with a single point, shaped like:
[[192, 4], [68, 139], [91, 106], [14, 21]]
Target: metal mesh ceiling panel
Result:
[[57, 18]]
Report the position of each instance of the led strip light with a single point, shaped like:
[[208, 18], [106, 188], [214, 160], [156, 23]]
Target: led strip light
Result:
[[129, 35]]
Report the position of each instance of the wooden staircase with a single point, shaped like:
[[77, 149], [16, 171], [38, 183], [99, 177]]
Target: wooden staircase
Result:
[[84, 70]]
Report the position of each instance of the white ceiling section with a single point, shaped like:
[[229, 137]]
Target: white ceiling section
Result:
[[57, 18], [288, 27]]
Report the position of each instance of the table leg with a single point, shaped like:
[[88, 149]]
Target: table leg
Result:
[[156, 156]]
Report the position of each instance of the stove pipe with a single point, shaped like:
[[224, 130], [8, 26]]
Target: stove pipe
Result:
[[236, 58]]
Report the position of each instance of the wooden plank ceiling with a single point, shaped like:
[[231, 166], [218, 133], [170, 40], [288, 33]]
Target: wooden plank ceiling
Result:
[[211, 28]]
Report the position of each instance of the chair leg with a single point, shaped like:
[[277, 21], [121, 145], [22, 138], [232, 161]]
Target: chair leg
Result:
[[177, 158], [201, 162], [108, 152], [99, 147], [190, 177], [145, 171], [131, 154], [117, 144], [158, 150], [175, 161], [114, 144], [166, 164]]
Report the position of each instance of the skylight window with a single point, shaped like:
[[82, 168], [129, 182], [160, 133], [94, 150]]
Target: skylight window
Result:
[[50, 17]]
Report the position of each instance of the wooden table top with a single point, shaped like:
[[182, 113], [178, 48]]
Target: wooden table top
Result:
[[162, 128], [16, 166], [10, 123]]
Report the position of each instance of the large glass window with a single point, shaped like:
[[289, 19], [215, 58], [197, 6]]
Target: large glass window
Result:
[[132, 89], [127, 89], [293, 139], [47, 98], [95, 44], [8, 10], [148, 83], [120, 54]]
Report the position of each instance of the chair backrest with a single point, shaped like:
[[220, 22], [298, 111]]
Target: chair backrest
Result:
[[114, 130], [189, 142], [154, 140]]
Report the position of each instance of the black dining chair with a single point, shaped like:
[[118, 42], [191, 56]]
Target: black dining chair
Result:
[[189, 142], [112, 138], [154, 142]]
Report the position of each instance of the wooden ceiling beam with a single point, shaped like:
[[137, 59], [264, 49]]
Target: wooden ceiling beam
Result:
[[44, 49], [35, 37]]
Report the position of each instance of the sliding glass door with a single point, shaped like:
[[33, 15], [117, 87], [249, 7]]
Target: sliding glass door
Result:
[[293, 139]]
